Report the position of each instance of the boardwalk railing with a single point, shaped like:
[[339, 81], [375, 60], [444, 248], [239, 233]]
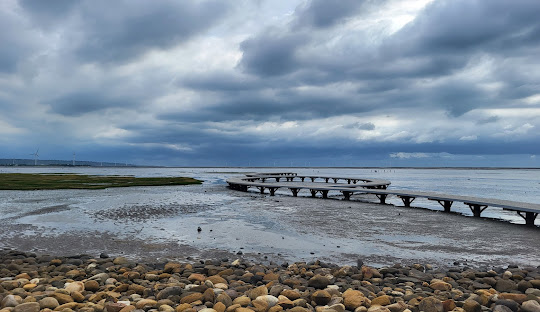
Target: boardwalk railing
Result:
[[377, 187]]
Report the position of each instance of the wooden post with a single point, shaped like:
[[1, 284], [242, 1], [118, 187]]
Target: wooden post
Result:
[[476, 209], [272, 190], [294, 191], [324, 193], [382, 198], [313, 193], [261, 188], [347, 195], [446, 204], [529, 217], [407, 200]]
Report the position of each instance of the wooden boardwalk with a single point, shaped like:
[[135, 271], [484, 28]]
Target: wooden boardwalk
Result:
[[348, 186]]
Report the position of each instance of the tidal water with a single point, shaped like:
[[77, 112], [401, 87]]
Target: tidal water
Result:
[[162, 222]]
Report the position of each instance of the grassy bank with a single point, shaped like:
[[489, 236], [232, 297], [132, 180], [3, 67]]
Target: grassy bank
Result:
[[26, 181]]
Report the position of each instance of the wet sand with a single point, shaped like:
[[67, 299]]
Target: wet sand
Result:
[[161, 223]]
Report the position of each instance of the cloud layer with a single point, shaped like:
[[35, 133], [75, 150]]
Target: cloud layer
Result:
[[256, 83]]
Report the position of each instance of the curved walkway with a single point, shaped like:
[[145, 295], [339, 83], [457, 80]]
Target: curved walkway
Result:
[[349, 186]]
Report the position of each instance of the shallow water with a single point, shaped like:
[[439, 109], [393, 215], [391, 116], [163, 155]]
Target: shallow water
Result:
[[161, 222]]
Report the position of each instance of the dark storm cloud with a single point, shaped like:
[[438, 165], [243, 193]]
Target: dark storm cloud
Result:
[[283, 104], [458, 98], [490, 119], [117, 31], [445, 38], [130, 28], [361, 126], [80, 103], [463, 26], [220, 82], [322, 13], [16, 42], [50, 12], [272, 53], [447, 35], [324, 67]]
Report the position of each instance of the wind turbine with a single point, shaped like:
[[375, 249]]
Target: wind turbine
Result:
[[36, 155]]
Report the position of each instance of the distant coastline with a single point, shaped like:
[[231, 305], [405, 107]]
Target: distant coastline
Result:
[[11, 162], [14, 162]]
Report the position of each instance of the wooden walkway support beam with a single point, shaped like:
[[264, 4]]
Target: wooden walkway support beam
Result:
[[294, 191], [407, 200], [382, 198], [529, 217], [446, 204], [476, 209]]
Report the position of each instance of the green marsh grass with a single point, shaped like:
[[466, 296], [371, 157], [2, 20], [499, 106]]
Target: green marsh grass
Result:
[[28, 181]]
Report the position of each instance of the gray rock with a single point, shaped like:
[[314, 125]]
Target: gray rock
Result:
[[405, 279], [420, 275], [523, 285], [11, 301], [511, 304], [27, 307], [232, 293], [501, 308], [478, 285], [505, 285], [489, 280], [431, 304], [319, 281], [101, 277], [472, 306], [530, 306], [169, 291], [48, 302], [276, 290], [533, 291], [225, 299]]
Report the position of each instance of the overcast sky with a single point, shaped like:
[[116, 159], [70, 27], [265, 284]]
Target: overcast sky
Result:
[[301, 82]]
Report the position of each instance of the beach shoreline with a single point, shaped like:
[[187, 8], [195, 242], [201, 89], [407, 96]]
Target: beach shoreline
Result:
[[161, 223], [33, 282]]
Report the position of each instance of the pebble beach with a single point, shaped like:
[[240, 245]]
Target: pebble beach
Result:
[[31, 283]]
